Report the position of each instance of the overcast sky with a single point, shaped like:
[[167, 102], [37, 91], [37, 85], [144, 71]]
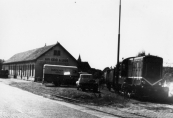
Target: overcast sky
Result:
[[88, 28]]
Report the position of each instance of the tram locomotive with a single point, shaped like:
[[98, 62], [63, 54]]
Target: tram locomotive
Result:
[[141, 76]]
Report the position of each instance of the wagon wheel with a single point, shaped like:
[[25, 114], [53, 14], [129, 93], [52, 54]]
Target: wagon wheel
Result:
[[83, 89], [56, 83], [125, 91], [108, 86], [138, 93], [77, 88]]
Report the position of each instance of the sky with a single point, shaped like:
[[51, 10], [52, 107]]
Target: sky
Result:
[[88, 28]]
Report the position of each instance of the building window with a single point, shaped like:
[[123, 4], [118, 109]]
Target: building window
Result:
[[57, 53], [33, 70], [30, 70]]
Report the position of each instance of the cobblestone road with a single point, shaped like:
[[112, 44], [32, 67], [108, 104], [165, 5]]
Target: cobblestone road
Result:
[[16, 103]]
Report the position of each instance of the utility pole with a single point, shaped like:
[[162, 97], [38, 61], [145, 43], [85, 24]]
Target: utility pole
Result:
[[118, 51]]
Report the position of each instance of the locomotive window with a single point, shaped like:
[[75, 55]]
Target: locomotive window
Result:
[[153, 71], [123, 66]]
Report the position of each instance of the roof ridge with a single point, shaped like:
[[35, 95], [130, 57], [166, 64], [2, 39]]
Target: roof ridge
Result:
[[36, 48], [29, 55]]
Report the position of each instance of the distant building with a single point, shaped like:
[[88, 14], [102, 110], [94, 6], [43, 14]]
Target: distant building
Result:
[[29, 64], [83, 66]]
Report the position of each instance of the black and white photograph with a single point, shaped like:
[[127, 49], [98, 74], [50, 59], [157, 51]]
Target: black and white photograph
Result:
[[86, 59]]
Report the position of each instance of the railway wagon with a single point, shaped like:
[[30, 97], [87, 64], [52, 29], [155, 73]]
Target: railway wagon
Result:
[[58, 74], [4, 73], [142, 76], [109, 76]]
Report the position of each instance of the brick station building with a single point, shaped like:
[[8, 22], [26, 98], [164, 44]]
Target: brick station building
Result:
[[29, 65]]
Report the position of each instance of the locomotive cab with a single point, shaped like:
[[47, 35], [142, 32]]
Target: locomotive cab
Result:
[[142, 74]]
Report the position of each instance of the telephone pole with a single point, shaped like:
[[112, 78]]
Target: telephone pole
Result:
[[118, 51]]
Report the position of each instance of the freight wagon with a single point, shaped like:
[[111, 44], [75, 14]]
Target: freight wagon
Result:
[[58, 74]]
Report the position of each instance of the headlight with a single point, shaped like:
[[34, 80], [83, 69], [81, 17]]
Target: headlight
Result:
[[160, 83], [143, 82]]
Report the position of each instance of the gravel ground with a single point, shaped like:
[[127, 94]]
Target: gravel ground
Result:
[[109, 102]]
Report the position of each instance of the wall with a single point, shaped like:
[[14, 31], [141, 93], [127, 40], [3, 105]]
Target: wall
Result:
[[50, 58], [21, 70], [25, 70]]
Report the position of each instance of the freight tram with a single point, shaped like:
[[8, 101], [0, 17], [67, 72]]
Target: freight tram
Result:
[[139, 76], [58, 74]]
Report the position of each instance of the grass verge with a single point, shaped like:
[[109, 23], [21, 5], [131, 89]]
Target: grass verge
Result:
[[87, 97]]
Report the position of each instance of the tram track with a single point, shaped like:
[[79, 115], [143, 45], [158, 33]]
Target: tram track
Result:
[[79, 102], [53, 93]]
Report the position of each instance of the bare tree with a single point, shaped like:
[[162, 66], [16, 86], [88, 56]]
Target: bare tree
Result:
[[142, 53]]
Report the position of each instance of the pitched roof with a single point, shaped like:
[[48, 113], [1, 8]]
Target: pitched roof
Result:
[[29, 55], [84, 65]]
